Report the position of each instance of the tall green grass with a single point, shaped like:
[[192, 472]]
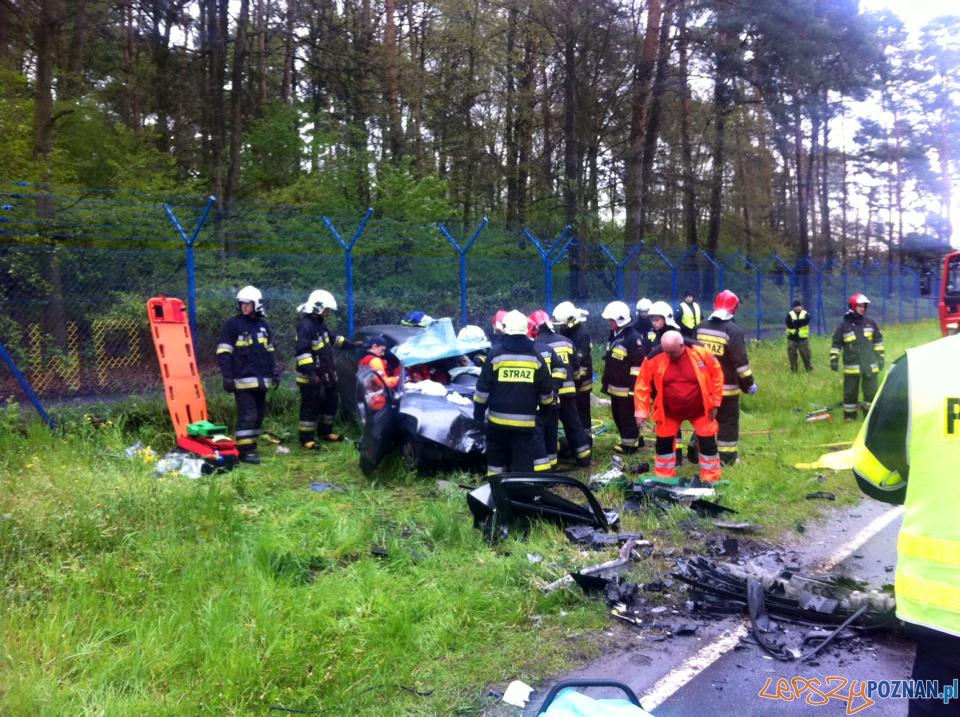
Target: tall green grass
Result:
[[122, 593]]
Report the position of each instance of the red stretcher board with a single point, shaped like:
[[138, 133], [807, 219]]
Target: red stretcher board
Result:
[[182, 388]]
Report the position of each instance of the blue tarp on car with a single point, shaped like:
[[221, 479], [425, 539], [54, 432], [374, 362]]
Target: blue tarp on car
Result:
[[437, 341]]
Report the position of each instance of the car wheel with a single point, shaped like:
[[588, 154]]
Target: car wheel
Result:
[[415, 457]]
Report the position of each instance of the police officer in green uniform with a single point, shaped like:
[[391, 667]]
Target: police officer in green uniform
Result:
[[906, 453], [859, 339], [798, 336]]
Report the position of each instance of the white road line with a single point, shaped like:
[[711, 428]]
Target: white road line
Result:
[[858, 540], [710, 653], [691, 667]]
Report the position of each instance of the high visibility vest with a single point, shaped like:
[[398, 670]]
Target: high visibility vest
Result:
[[928, 549], [691, 314], [804, 331]]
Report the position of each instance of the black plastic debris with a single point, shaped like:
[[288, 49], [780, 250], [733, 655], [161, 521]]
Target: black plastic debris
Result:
[[379, 551], [684, 628], [665, 495], [731, 547], [741, 527], [605, 569], [818, 603], [596, 539], [513, 499], [821, 495]]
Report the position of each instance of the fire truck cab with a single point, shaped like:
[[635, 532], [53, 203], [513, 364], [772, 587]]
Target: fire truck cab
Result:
[[950, 295]]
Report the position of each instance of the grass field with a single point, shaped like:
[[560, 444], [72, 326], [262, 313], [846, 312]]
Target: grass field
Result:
[[125, 594]]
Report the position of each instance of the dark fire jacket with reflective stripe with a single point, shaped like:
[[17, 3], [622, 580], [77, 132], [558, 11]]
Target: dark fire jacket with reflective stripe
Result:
[[245, 352], [314, 350], [726, 341], [514, 381], [581, 343], [860, 344], [568, 367], [621, 363]]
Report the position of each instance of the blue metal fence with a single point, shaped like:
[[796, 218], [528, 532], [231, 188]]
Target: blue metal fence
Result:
[[77, 268]]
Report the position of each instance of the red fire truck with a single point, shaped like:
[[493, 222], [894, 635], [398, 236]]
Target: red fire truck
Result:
[[950, 294]]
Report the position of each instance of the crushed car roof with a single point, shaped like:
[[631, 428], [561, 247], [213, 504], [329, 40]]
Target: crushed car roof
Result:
[[435, 342]]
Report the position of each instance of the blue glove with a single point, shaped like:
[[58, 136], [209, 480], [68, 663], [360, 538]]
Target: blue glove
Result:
[[753, 388]]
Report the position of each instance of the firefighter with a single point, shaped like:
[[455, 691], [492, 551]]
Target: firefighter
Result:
[[564, 371], [859, 339], [798, 336], [689, 315], [661, 321], [685, 383], [513, 383], [572, 323], [248, 365], [642, 323], [621, 365], [375, 358], [548, 420], [906, 453], [721, 335], [316, 373]]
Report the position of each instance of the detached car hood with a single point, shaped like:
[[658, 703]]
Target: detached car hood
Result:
[[443, 421]]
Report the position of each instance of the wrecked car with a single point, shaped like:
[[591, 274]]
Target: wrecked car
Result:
[[428, 415]]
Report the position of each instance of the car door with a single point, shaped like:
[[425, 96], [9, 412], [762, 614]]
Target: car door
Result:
[[377, 408]]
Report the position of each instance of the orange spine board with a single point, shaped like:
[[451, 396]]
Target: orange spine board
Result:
[[173, 342]]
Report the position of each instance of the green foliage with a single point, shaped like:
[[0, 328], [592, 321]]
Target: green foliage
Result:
[[402, 196], [274, 149]]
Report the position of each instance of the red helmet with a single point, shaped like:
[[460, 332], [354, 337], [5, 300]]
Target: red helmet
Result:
[[857, 299], [726, 301], [541, 317], [498, 320], [533, 328]]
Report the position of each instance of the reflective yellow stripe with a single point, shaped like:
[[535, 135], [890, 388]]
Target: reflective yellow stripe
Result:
[[731, 391], [618, 353], [867, 466], [515, 364], [566, 390], [852, 370], [241, 343], [937, 550], [305, 361], [618, 392], [928, 593], [511, 422]]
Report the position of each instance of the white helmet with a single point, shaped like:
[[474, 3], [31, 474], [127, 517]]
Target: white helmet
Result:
[[515, 324], [251, 294], [567, 314], [318, 301], [618, 312], [471, 334], [662, 308], [644, 304]]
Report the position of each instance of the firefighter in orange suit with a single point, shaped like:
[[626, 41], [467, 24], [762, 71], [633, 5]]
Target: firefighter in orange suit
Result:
[[685, 383]]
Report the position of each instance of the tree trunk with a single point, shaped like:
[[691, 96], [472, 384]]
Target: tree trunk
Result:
[[236, 110], [640, 97], [524, 127], [652, 131], [825, 231], [803, 238], [809, 176], [571, 148], [392, 62], [289, 46], [509, 128], [688, 180]]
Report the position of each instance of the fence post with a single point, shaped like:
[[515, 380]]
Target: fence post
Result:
[[191, 265], [348, 260], [821, 320], [675, 288], [25, 385], [462, 251], [551, 258], [759, 273], [621, 265]]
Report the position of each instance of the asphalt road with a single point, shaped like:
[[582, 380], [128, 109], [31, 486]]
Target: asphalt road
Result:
[[714, 673]]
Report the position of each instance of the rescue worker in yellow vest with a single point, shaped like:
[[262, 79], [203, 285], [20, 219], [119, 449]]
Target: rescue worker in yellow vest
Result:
[[688, 315], [906, 453], [248, 365], [621, 366], [514, 382], [726, 341], [859, 339], [798, 336]]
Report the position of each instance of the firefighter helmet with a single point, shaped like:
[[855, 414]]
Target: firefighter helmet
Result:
[[250, 295], [567, 314], [318, 301], [515, 324], [726, 301], [617, 312], [471, 334], [857, 299], [662, 308], [498, 320], [644, 305], [541, 317]]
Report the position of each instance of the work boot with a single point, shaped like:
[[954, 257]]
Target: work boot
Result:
[[331, 438], [626, 450], [251, 457], [309, 445]]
